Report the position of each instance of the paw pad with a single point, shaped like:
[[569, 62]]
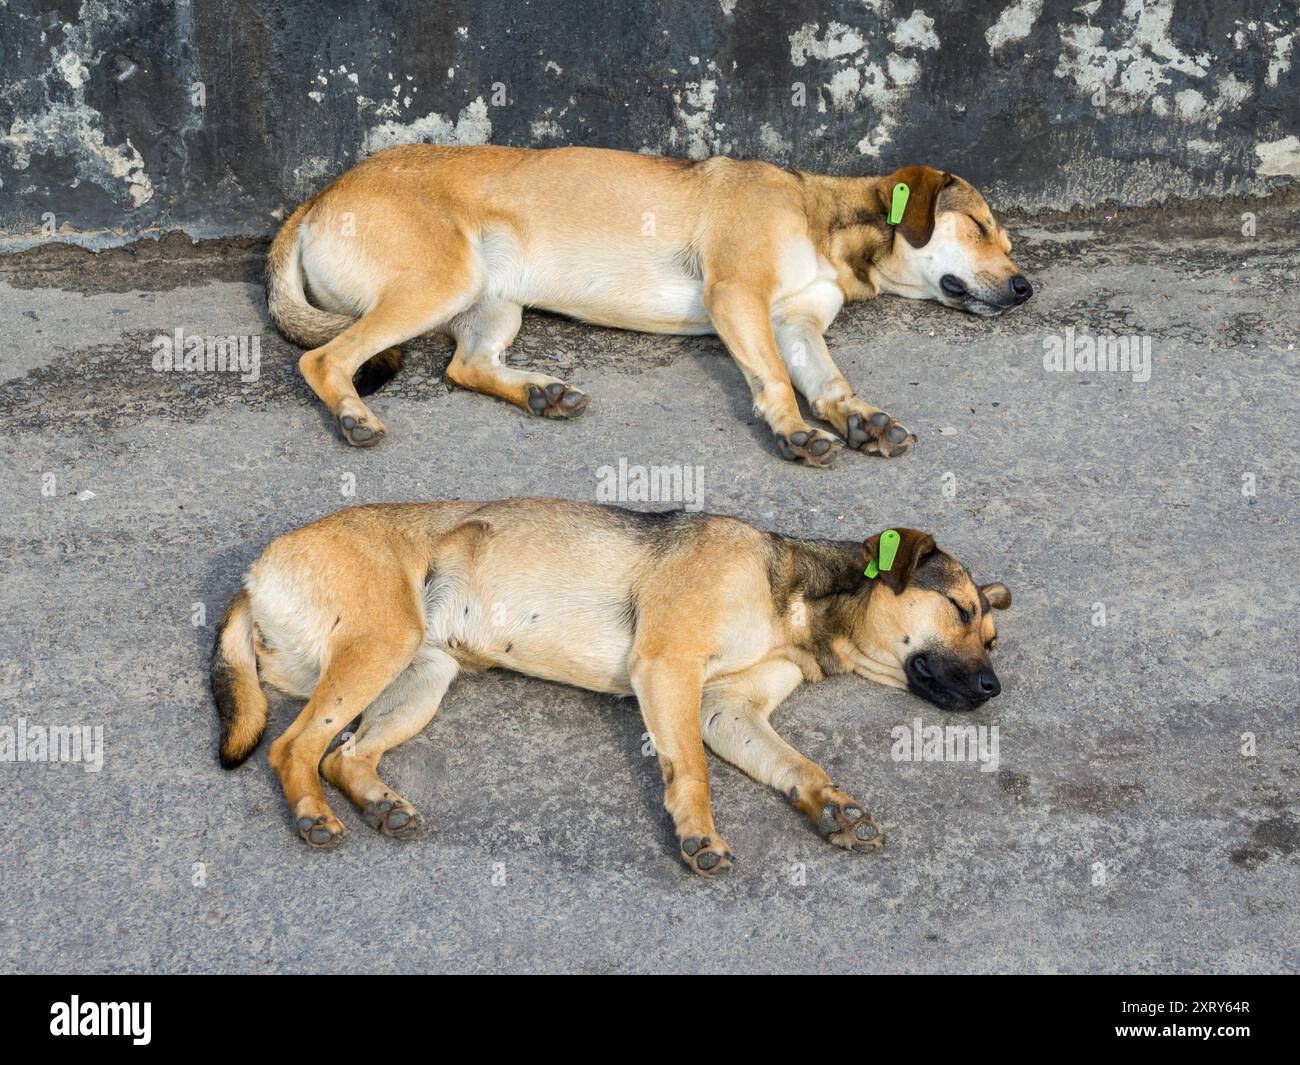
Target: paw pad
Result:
[[556, 400], [879, 434], [849, 826], [810, 446], [393, 817], [316, 831], [360, 432], [706, 857]]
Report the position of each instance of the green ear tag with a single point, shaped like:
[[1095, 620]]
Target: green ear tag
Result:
[[896, 209], [888, 550]]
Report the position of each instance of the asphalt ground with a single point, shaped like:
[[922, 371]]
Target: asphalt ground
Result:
[[1141, 815]]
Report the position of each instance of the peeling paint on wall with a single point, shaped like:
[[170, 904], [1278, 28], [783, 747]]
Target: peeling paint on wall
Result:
[[75, 129], [1134, 64], [1280, 158], [1280, 62], [694, 133], [773, 144], [835, 41], [472, 126], [65, 123], [1014, 23], [1134, 57], [864, 72], [915, 31]]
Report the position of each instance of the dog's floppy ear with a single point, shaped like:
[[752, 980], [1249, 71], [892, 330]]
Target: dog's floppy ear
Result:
[[913, 546], [924, 183], [997, 595]]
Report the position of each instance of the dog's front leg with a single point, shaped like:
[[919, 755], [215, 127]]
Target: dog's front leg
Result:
[[814, 373], [734, 723], [742, 316], [669, 692]]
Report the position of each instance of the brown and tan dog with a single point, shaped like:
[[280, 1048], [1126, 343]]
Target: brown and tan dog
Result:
[[708, 621], [420, 239]]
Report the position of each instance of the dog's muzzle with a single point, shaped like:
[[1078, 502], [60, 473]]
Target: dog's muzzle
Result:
[[988, 300], [948, 684]]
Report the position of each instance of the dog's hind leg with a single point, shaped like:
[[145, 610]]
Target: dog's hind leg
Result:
[[362, 658], [405, 707], [410, 306], [734, 724], [815, 375], [482, 333]]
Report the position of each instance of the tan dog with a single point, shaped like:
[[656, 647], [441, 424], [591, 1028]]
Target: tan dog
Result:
[[421, 239], [709, 622]]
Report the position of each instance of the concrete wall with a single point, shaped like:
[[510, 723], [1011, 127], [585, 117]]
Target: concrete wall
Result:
[[118, 117]]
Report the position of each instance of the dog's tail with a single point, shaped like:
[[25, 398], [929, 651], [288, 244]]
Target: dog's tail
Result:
[[286, 298], [304, 324], [241, 703]]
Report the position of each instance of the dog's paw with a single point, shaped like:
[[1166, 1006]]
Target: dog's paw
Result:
[[359, 427], [847, 824], [878, 434], [394, 817], [556, 400], [322, 831], [810, 446], [707, 856]]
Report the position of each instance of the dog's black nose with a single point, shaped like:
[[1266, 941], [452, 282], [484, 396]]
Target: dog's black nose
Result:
[[988, 682], [953, 286], [1020, 287]]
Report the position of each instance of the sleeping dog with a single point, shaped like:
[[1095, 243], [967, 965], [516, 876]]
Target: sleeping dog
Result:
[[421, 238], [708, 621]]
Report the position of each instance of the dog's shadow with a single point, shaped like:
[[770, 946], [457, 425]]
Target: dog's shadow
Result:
[[570, 731], [731, 383]]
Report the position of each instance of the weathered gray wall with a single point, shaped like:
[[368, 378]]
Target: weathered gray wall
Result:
[[103, 132]]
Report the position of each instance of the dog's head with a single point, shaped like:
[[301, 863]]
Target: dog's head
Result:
[[925, 625], [948, 246]]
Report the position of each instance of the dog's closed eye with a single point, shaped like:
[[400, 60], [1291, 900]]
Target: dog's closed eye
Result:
[[980, 226], [962, 612]]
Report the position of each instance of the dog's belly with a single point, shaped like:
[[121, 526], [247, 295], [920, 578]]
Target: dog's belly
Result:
[[599, 666], [534, 624], [669, 308], [622, 286]]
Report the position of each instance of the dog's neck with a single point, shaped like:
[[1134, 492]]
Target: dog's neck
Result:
[[826, 577], [832, 202], [849, 225]]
